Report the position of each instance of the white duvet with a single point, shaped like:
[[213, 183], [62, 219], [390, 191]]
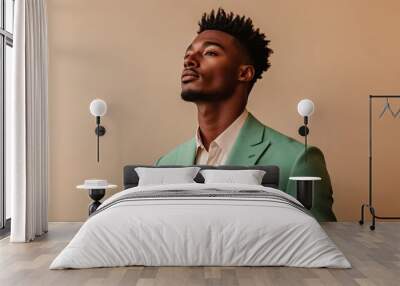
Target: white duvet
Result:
[[200, 231]]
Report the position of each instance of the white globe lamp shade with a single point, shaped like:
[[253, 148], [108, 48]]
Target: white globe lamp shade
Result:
[[305, 107], [98, 107]]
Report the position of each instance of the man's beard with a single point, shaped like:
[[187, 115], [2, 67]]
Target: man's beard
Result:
[[199, 96]]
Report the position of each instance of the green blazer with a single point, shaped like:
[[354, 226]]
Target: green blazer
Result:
[[258, 144]]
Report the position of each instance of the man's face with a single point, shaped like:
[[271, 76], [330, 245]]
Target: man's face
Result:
[[211, 67]]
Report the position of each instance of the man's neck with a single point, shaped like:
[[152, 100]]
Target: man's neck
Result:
[[214, 118]]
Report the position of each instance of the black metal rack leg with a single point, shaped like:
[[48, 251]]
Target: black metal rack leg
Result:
[[361, 221], [374, 216], [372, 211]]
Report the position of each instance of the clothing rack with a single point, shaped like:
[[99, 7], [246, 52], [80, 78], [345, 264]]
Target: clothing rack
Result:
[[370, 205]]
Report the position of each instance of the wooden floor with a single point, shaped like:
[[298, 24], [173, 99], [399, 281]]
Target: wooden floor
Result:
[[375, 256]]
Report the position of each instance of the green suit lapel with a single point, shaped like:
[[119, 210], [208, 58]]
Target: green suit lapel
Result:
[[250, 144], [187, 154]]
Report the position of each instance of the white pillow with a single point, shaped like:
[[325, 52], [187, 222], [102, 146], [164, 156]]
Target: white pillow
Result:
[[248, 177], [162, 176]]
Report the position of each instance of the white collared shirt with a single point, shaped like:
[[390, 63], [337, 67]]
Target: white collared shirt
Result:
[[220, 147]]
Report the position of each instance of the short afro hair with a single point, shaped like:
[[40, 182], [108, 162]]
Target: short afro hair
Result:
[[242, 29]]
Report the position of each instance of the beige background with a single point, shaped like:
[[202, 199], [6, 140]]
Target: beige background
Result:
[[130, 53]]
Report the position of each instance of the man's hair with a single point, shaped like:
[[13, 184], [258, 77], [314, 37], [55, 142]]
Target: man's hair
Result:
[[242, 29]]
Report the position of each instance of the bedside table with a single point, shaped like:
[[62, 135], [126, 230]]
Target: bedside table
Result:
[[305, 189], [96, 193]]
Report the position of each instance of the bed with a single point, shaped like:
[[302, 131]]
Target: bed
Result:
[[201, 224]]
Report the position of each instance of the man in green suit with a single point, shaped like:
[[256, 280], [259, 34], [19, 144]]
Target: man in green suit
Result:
[[221, 66]]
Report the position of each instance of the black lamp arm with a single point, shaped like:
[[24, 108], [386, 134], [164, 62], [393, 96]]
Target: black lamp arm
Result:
[[303, 131], [100, 131]]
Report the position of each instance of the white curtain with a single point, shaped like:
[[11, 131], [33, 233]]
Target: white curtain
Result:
[[27, 132]]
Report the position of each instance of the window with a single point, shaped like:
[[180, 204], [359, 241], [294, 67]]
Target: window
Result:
[[6, 62]]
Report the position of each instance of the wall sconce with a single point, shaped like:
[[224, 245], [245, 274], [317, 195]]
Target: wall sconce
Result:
[[305, 184], [305, 107], [98, 108]]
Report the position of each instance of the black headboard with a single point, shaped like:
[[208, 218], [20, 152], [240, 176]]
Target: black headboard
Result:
[[270, 179]]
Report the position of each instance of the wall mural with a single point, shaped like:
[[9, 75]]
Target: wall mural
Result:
[[221, 65]]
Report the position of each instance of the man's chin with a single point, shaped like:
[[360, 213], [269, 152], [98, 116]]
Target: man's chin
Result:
[[199, 96], [192, 96]]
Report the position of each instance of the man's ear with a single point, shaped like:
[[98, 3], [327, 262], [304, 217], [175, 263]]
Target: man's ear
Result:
[[246, 73]]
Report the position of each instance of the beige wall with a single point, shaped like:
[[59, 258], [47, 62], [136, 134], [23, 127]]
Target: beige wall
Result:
[[130, 53]]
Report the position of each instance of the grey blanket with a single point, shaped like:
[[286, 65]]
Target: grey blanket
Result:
[[205, 194]]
